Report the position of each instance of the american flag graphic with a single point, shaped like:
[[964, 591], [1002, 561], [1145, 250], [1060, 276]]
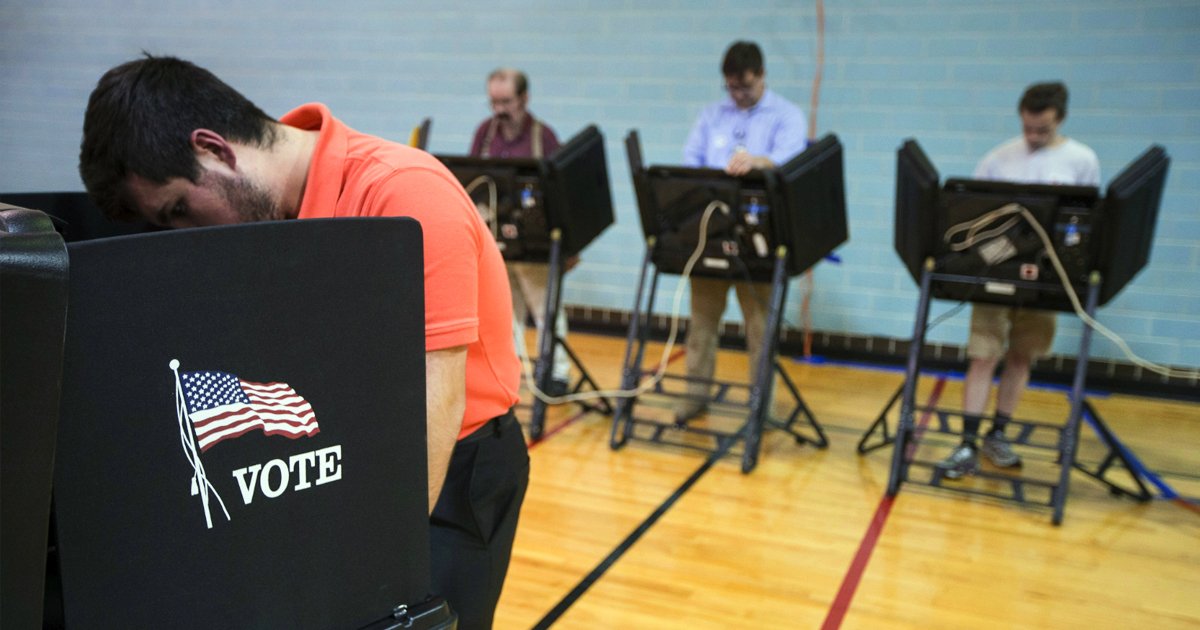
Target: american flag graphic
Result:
[[222, 406]]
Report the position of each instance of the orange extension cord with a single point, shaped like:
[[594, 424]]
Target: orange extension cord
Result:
[[808, 284]]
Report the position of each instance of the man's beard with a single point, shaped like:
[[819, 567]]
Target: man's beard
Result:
[[251, 202]]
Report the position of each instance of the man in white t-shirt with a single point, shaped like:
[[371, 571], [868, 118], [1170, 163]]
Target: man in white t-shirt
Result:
[[1039, 155]]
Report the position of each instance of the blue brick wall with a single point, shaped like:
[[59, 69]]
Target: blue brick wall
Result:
[[947, 72]]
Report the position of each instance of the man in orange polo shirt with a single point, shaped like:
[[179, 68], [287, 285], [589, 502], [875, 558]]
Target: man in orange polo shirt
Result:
[[167, 141]]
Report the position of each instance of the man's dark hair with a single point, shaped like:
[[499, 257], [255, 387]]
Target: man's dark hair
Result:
[[140, 118], [1042, 96], [740, 57]]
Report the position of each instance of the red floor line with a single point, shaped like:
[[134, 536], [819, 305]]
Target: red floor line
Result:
[[858, 566], [1187, 505], [841, 603], [923, 421], [671, 359]]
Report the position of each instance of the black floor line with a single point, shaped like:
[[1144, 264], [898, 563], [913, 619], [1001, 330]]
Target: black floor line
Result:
[[620, 549]]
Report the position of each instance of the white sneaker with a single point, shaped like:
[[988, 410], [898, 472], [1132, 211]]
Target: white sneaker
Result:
[[963, 460]]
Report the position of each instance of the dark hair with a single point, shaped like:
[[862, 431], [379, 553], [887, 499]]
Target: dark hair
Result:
[[740, 57], [520, 81], [140, 118], [1042, 96]]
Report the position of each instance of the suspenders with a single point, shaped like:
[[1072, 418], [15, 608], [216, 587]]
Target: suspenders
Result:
[[535, 141]]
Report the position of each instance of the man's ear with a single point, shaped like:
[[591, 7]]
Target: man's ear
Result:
[[207, 141]]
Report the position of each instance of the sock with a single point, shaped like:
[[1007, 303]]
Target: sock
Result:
[[1001, 421], [970, 428]]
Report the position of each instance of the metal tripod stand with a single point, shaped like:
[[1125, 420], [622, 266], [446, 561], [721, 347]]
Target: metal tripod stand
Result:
[[1063, 440], [627, 426]]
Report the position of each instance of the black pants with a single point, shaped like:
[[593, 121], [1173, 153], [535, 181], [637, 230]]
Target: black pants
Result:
[[475, 520]]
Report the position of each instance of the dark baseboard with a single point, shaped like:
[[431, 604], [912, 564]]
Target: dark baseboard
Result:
[[1102, 374]]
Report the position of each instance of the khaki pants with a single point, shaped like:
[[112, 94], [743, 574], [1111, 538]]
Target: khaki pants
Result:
[[997, 330], [708, 304], [528, 282]]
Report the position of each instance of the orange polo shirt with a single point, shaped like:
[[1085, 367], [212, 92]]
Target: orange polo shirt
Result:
[[467, 299]]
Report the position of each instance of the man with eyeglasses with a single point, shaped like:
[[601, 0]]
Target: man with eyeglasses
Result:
[[753, 129], [513, 132]]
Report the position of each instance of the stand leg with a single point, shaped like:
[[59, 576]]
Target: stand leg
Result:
[[760, 391], [880, 424], [801, 408], [1116, 453], [899, 470], [546, 337], [631, 364], [1070, 437], [585, 378]]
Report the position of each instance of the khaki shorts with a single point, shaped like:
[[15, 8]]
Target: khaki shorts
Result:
[[1021, 330]]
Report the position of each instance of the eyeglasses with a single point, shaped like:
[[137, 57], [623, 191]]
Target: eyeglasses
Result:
[[745, 88]]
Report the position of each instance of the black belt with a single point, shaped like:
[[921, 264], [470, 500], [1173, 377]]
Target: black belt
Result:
[[492, 428]]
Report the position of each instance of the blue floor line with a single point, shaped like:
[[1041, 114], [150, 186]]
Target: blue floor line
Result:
[[1139, 468]]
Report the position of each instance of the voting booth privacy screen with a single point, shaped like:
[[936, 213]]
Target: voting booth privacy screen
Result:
[[524, 199], [33, 311], [74, 215], [242, 437], [1112, 234], [800, 204]]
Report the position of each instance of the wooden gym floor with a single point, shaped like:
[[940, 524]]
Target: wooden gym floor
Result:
[[652, 536]]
